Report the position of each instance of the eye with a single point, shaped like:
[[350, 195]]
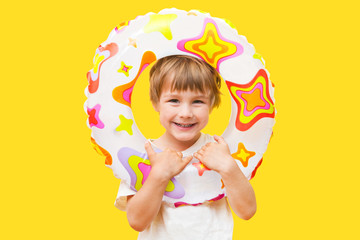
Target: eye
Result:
[[174, 100], [198, 101]]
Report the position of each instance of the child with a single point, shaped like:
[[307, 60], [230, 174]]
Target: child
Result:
[[184, 90]]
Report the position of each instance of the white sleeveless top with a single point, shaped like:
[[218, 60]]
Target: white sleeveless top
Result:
[[210, 220]]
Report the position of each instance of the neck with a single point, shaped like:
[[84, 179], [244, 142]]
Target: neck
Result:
[[166, 141]]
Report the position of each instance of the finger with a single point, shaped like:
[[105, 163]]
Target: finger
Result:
[[204, 147], [203, 163], [201, 151], [198, 156], [149, 150], [187, 159], [202, 160], [219, 139]]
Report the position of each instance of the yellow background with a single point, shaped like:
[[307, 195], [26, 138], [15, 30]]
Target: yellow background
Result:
[[55, 186]]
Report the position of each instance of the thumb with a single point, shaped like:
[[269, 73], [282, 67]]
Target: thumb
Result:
[[148, 148], [219, 139], [179, 154]]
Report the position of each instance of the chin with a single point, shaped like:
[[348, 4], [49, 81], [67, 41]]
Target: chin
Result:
[[187, 137]]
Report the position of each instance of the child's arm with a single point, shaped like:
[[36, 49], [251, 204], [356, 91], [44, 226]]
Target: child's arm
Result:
[[241, 196], [143, 207]]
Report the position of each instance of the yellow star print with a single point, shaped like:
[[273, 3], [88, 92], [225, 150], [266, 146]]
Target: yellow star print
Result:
[[125, 125], [124, 69], [243, 154], [160, 23]]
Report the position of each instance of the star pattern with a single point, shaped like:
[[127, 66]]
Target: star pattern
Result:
[[138, 166], [253, 101], [243, 155], [94, 120], [201, 168], [160, 23], [210, 45], [258, 56], [119, 28], [125, 125], [256, 168], [102, 152], [124, 69], [102, 54], [122, 93], [132, 42], [97, 60]]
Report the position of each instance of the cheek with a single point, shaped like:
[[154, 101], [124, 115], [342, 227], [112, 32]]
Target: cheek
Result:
[[166, 115], [204, 114]]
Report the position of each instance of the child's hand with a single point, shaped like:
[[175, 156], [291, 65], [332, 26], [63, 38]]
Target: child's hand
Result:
[[216, 156], [166, 164]]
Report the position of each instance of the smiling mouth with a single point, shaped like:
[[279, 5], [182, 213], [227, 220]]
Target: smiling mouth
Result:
[[184, 125]]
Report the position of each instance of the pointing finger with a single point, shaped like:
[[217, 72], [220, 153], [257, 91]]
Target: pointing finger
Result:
[[201, 151], [148, 148], [219, 139]]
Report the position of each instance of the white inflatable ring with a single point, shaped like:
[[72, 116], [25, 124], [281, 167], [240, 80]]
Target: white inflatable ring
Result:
[[135, 44]]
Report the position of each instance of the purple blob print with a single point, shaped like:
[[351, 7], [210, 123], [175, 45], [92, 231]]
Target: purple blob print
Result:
[[138, 166]]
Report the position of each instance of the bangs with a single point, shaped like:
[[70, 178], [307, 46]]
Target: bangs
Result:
[[185, 73], [189, 77]]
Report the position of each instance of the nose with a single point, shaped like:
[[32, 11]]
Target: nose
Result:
[[185, 111]]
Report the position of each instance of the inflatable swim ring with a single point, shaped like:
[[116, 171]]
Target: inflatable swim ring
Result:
[[130, 48]]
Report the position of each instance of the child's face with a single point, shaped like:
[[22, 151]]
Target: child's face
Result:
[[183, 114]]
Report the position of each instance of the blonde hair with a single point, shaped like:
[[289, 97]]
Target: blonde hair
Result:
[[187, 73]]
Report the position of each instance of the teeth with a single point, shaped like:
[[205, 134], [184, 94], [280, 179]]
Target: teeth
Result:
[[186, 125]]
